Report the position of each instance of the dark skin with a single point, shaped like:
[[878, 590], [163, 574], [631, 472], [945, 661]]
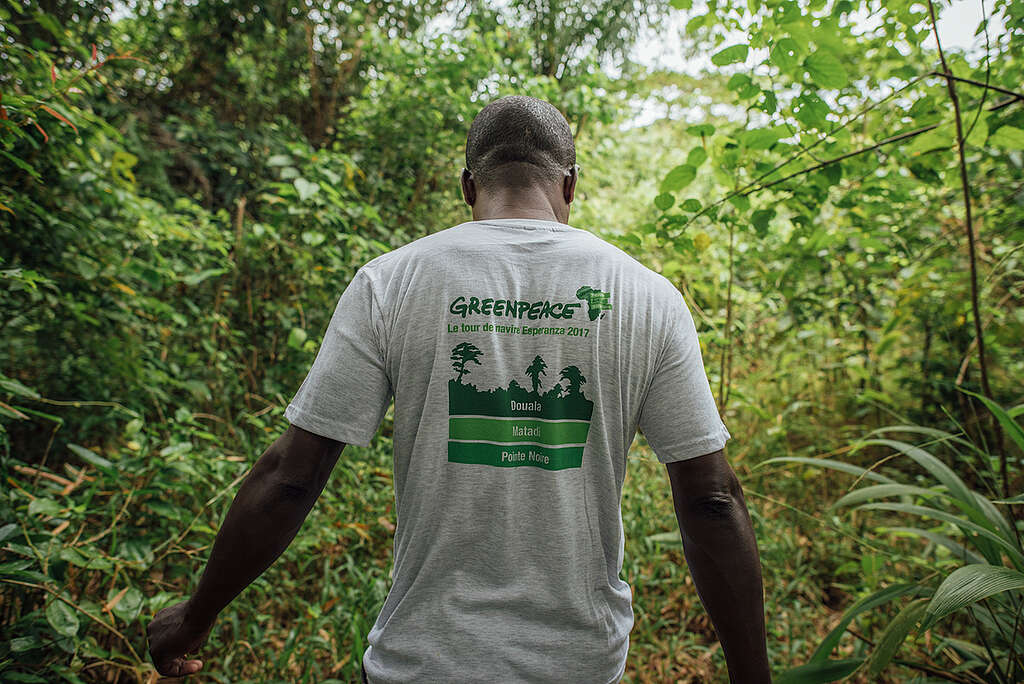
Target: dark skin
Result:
[[281, 488]]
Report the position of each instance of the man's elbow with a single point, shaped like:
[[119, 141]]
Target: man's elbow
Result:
[[722, 504], [714, 507]]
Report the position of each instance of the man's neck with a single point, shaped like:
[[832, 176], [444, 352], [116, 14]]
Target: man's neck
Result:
[[523, 205]]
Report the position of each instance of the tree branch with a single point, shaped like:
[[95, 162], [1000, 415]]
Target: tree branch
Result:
[[969, 225]]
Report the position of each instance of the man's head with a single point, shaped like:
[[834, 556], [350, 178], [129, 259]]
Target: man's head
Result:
[[520, 146]]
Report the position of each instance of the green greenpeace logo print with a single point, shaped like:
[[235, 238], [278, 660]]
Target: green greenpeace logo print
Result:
[[512, 426]]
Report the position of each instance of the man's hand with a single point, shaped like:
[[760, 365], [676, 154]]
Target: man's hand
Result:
[[171, 638]]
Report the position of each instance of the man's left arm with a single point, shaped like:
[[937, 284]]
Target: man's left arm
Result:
[[266, 514]]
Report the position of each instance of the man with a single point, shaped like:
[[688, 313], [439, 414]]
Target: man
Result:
[[509, 541]]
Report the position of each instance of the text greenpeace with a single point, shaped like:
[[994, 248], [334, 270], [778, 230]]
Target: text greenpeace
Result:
[[461, 306]]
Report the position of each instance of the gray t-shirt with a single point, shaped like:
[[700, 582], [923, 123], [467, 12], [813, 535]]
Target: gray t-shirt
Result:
[[522, 355]]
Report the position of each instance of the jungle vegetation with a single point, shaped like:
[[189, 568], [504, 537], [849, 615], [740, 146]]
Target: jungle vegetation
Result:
[[187, 187]]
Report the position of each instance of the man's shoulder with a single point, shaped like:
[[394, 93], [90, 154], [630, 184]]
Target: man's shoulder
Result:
[[422, 245], [637, 269]]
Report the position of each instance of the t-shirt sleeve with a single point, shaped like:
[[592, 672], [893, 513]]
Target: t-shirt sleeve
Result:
[[347, 390], [679, 417]]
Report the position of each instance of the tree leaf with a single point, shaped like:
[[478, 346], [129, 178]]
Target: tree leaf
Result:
[[730, 55], [760, 138], [8, 530], [305, 188], [196, 278], [826, 70], [892, 638], [16, 388], [821, 672], [968, 585], [62, 618], [296, 337], [811, 110], [678, 178], [92, 457], [785, 54], [128, 607], [664, 201], [760, 220], [696, 157], [862, 605], [702, 130], [1008, 137]]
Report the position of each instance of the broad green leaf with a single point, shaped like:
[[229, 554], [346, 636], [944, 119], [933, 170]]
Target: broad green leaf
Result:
[[1009, 137], [826, 70], [828, 463], [940, 138], [741, 202], [92, 457], [42, 506], [976, 131], [760, 138], [738, 82], [862, 605], [313, 237], [129, 606], [730, 55], [682, 4], [195, 278], [17, 389], [701, 130], [296, 337], [21, 164], [670, 538], [305, 188], [936, 468], [882, 491], [968, 585], [696, 157], [664, 201], [1015, 431], [964, 524], [8, 530], [941, 435], [821, 672], [678, 178], [894, 636], [786, 53], [690, 204], [811, 110], [958, 550], [62, 618]]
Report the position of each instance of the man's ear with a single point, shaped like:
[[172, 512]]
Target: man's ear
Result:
[[468, 187], [569, 185]]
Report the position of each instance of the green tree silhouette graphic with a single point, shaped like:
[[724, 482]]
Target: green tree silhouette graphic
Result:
[[574, 377], [536, 370], [462, 354]]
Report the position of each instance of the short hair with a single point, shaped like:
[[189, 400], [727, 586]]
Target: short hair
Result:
[[516, 141]]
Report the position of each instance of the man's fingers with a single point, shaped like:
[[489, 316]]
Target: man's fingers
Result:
[[179, 667]]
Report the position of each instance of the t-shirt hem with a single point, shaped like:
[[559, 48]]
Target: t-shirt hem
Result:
[[689, 450], [326, 428]]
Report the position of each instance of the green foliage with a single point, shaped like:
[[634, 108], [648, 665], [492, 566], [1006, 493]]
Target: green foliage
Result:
[[188, 187], [987, 538]]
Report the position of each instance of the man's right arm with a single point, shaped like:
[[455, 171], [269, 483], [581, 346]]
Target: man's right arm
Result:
[[721, 551]]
